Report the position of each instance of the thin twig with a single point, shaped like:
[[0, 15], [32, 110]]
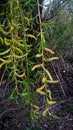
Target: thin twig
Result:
[[2, 77]]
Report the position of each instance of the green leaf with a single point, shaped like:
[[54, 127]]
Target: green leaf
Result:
[[23, 94], [36, 66], [5, 52], [31, 36], [4, 32], [50, 102], [45, 112], [7, 41]]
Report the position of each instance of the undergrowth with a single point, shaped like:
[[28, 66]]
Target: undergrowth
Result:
[[59, 29]]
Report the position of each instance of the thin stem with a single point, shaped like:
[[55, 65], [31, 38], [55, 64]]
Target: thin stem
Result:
[[41, 30]]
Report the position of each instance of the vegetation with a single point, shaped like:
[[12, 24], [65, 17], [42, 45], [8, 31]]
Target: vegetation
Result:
[[26, 57], [18, 58], [58, 29]]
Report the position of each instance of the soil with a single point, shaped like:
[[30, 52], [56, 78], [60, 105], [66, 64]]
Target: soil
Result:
[[14, 115]]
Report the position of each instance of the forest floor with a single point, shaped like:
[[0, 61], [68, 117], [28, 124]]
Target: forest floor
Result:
[[14, 115]]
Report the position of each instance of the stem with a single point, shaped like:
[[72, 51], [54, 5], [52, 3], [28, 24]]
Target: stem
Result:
[[12, 41], [22, 19], [41, 30]]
